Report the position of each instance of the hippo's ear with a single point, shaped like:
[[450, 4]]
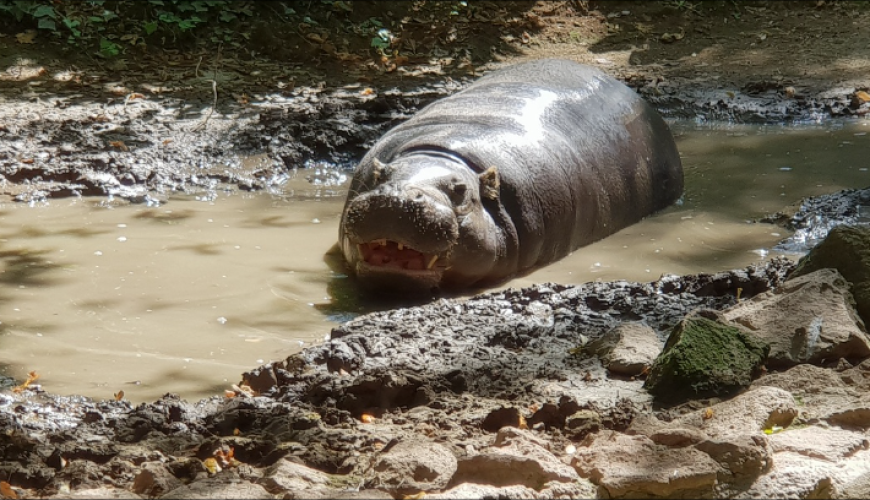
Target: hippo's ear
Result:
[[379, 170], [489, 183]]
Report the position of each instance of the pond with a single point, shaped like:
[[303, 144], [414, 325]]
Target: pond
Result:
[[100, 297]]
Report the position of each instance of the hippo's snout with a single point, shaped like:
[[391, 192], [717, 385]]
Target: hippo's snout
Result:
[[400, 229]]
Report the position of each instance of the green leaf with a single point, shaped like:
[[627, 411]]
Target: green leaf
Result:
[[168, 17], [157, 2], [95, 19], [227, 16], [109, 48], [379, 43], [47, 24], [44, 10], [150, 27]]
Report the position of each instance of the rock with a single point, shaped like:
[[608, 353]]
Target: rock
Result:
[[154, 480], [582, 422], [846, 249], [516, 458], [794, 476], [219, 488], [628, 349], [410, 467], [97, 493], [809, 319], [503, 417], [745, 457], [855, 415], [473, 490], [287, 475], [830, 444], [705, 357], [746, 414], [635, 467], [677, 437]]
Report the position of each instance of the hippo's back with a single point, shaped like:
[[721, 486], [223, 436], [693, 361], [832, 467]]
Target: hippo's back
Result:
[[578, 152]]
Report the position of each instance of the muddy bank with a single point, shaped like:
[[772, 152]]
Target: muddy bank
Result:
[[140, 128], [454, 372]]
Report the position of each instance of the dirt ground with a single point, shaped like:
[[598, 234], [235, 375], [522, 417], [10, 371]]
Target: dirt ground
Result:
[[148, 124]]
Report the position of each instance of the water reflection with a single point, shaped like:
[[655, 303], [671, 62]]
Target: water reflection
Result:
[[186, 296]]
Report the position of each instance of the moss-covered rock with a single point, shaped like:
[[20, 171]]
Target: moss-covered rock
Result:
[[705, 357], [846, 249]]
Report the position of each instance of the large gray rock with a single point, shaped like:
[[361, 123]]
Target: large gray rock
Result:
[[846, 249], [412, 466], [516, 458], [747, 414], [628, 349], [831, 444], [809, 319], [627, 466], [219, 487], [795, 476]]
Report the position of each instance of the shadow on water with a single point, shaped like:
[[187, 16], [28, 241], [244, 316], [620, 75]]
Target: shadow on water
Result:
[[24, 266], [351, 299]]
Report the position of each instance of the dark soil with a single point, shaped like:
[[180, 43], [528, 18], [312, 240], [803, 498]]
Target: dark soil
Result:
[[453, 371], [164, 120]]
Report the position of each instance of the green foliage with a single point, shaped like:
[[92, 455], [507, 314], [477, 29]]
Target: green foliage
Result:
[[108, 25]]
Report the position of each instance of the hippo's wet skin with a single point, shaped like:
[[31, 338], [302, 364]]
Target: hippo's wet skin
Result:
[[512, 173]]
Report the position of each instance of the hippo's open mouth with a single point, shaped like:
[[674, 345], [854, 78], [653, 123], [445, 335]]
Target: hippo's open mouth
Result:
[[395, 256]]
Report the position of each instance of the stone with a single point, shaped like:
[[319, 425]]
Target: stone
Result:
[[846, 249], [677, 437], [502, 417], [746, 414], [809, 319], [288, 475], [582, 422], [482, 491], [745, 457], [516, 458], [219, 488], [412, 466], [795, 476], [829, 444], [104, 492], [628, 349], [154, 480], [635, 467], [705, 357]]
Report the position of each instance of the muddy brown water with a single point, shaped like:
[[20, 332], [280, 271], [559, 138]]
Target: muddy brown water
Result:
[[185, 296]]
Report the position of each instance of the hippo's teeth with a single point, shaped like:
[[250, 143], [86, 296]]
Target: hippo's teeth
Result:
[[431, 262], [401, 246], [382, 242]]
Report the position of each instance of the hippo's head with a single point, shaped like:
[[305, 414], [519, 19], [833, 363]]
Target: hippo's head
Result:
[[418, 223]]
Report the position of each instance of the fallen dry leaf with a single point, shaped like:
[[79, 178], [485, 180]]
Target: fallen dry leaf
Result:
[[31, 378], [6, 490], [26, 37]]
